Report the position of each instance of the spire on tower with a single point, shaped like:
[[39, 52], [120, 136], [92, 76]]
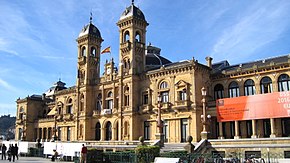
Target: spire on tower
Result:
[[91, 17], [132, 2]]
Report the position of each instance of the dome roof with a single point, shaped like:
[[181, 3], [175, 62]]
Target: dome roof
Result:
[[133, 11], [156, 60], [90, 29], [153, 57]]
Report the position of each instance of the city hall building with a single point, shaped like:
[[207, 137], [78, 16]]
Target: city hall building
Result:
[[244, 101]]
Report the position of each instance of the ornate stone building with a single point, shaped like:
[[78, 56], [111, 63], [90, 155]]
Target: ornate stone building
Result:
[[122, 103]]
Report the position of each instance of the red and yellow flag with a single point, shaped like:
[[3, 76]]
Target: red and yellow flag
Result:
[[106, 50]]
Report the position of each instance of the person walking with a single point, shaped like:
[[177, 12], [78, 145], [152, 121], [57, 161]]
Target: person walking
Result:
[[4, 148], [16, 151], [54, 156], [13, 152], [9, 152], [84, 154]]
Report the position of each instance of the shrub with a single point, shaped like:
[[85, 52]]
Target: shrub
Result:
[[147, 153]]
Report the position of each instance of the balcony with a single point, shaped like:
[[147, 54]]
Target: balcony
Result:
[[68, 117], [145, 108], [107, 111], [82, 60], [181, 104], [125, 47], [139, 46]]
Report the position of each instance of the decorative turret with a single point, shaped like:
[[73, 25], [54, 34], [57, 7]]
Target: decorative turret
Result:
[[132, 25], [89, 45]]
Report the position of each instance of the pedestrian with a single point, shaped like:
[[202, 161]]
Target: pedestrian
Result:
[[13, 152], [4, 148], [9, 152], [84, 154], [54, 156], [16, 150]]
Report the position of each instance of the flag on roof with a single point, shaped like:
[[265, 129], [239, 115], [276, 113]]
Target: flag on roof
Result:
[[106, 50]]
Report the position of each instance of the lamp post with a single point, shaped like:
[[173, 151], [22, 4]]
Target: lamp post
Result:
[[160, 134], [204, 117], [268, 152]]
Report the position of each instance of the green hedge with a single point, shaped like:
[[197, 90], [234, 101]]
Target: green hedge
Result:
[[147, 154], [94, 155]]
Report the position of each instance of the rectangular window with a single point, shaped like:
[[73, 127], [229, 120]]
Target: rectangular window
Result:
[[249, 128], [184, 132], [110, 104], [59, 133], [126, 100], [165, 97], [69, 109], [182, 95], [165, 130], [68, 133], [267, 127], [145, 99], [147, 130]]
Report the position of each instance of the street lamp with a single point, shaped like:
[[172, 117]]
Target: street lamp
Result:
[[160, 134], [204, 117], [268, 152]]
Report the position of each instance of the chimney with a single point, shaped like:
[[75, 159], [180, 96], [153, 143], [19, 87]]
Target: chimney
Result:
[[209, 61]]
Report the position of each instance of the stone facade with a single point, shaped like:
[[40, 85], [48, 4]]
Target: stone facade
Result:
[[122, 103]]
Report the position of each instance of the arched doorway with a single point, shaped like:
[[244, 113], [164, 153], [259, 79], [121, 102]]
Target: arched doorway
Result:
[[98, 131], [117, 131], [108, 131]]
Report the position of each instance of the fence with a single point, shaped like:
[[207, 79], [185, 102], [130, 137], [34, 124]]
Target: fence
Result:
[[123, 157]]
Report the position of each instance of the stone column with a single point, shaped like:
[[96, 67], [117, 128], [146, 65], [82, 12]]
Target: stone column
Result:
[[254, 129], [221, 136], [237, 136], [113, 133], [273, 134], [103, 130]]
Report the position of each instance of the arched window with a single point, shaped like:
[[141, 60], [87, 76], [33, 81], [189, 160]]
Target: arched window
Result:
[[69, 106], [234, 90], [21, 114], [110, 100], [93, 51], [126, 96], [128, 64], [98, 131], [266, 85], [126, 128], [126, 36], [283, 83], [99, 102], [219, 91], [108, 131], [117, 131], [163, 85], [82, 102], [164, 92], [84, 53], [249, 87], [81, 130], [138, 37]]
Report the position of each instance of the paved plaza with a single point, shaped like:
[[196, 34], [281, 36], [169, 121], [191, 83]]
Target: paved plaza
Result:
[[33, 160]]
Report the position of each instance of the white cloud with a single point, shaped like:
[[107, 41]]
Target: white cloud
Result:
[[7, 86], [259, 26]]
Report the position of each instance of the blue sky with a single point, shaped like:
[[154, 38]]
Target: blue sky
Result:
[[37, 37]]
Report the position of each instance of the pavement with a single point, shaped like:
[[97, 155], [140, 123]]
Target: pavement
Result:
[[33, 160]]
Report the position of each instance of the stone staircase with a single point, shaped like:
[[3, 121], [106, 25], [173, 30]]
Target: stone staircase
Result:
[[170, 147]]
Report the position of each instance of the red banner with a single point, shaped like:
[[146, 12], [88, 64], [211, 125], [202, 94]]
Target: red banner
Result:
[[262, 106]]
